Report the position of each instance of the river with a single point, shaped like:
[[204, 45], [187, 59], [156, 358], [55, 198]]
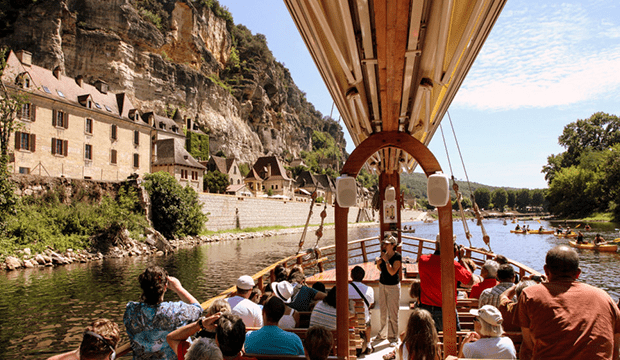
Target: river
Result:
[[44, 311]]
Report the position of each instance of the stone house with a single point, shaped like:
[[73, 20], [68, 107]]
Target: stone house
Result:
[[323, 185], [74, 129], [225, 166], [268, 174], [172, 158]]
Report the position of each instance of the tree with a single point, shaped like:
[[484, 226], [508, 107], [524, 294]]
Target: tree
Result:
[[499, 198], [483, 197], [10, 104], [523, 199], [175, 209], [511, 201], [599, 132], [538, 197], [611, 175], [570, 193], [215, 182]]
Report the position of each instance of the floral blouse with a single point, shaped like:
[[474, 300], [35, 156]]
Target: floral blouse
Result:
[[148, 325]]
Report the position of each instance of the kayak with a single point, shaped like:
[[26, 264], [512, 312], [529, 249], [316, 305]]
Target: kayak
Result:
[[571, 235], [532, 231], [590, 246]]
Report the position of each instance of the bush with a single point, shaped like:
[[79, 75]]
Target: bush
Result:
[[175, 209]]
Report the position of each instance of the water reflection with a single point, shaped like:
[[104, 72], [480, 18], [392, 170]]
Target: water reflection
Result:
[[44, 311]]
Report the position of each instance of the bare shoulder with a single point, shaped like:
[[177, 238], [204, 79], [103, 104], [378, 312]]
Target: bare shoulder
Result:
[[71, 355]]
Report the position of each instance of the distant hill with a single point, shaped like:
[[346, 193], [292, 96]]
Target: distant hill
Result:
[[415, 185]]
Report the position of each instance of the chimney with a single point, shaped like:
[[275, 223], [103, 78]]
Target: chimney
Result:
[[25, 57], [57, 72], [79, 80], [102, 86], [268, 171]]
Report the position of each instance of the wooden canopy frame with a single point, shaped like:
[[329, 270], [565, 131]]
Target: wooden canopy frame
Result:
[[428, 162]]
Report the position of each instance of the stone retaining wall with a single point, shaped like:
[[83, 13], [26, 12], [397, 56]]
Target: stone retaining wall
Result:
[[229, 212]]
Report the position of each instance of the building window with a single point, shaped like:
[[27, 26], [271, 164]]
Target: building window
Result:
[[114, 134], [113, 156], [88, 152], [24, 170], [26, 83], [89, 126], [136, 137], [60, 119], [89, 104], [183, 174], [26, 112], [59, 147], [25, 141], [238, 182], [136, 160], [194, 175], [235, 170]]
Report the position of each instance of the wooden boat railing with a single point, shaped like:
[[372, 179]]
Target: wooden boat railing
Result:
[[363, 250]]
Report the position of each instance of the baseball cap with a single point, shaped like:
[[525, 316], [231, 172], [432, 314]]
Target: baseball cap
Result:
[[489, 314], [245, 282]]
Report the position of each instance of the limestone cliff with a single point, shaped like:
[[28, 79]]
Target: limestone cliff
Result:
[[170, 55]]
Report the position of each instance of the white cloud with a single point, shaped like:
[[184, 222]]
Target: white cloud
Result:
[[543, 56]]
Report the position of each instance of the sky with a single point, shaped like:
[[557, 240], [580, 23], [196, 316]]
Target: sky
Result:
[[544, 65]]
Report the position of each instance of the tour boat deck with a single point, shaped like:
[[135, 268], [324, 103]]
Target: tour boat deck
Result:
[[328, 277]]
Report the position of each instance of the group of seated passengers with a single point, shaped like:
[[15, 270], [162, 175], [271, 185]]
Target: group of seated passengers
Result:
[[160, 329]]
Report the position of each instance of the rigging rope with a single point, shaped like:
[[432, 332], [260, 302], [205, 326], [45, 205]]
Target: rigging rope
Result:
[[485, 237], [303, 234]]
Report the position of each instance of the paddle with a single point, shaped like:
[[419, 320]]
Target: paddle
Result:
[[616, 240], [577, 226]]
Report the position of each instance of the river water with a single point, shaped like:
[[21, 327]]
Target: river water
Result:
[[44, 311]]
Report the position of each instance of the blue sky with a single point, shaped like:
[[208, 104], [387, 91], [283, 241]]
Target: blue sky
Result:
[[544, 65]]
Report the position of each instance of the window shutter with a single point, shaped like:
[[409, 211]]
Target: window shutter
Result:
[[33, 139], [33, 112], [66, 119], [53, 146], [53, 117], [65, 145], [136, 137], [113, 156], [18, 140]]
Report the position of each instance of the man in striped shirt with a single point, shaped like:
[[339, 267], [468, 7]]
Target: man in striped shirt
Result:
[[491, 296]]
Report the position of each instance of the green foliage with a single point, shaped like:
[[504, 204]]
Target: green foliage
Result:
[[244, 169], [512, 199], [197, 144], [570, 192], [296, 170], [499, 197], [367, 179], [176, 210], [216, 182], [270, 192], [153, 18], [46, 222], [234, 63], [216, 80], [466, 203], [320, 199], [165, 56], [219, 10], [523, 199], [483, 197]]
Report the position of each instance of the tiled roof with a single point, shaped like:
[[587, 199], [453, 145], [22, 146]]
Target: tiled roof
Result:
[[220, 163], [66, 89], [158, 119], [277, 169], [171, 152]]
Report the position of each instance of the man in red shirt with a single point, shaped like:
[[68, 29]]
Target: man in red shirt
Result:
[[489, 274], [429, 268], [567, 319]]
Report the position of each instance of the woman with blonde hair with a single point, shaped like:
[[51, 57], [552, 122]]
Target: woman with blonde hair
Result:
[[421, 339]]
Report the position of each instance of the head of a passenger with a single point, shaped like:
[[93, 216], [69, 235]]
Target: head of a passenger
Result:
[[562, 262], [256, 295], [319, 286], [330, 299], [421, 336], [245, 284], [203, 349], [99, 341], [358, 273], [489, 321], [280, 272], [273, 309], [500, 259], [230, 334], [318, 343], [415, 291], [506, 273], [153, 282], [522, 285], [219, 305], [489, 269], [296, 275]]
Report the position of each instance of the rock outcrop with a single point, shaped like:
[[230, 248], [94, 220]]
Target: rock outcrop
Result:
[[168, 56]]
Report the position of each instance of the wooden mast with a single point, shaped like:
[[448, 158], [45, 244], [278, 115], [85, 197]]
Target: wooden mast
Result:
[[430, 165]]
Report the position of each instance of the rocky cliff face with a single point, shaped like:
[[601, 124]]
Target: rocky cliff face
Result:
[[170, 55]]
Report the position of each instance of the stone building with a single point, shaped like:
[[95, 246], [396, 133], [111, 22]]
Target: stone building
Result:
[[225, 166], [172, 158], [74, 129], [268, 174]]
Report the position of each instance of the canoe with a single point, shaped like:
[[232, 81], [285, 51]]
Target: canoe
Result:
[[544, 232], [571, 235], [590, 246]]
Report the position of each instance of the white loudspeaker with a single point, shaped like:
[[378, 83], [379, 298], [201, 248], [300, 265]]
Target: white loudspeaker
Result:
[[390, 193], [438, 190], [346, 191]]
